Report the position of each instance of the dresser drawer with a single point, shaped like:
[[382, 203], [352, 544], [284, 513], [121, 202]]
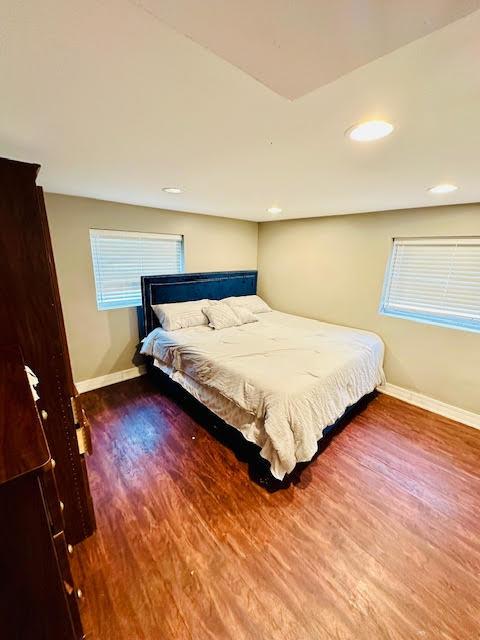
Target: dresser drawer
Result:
[[50, 495], [71, 591]]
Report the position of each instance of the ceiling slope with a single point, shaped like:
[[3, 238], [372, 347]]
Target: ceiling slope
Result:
[[296, 47]]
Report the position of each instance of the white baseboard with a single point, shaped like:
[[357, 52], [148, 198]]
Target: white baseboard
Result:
[[430, 404], [110, 378]]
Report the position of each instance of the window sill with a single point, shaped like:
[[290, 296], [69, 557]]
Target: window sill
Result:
[[430, 321]]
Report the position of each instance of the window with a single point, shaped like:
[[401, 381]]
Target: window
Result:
[[121, 257], [434, 280]]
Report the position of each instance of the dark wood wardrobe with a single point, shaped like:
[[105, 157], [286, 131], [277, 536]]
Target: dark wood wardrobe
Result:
[[31, 323]]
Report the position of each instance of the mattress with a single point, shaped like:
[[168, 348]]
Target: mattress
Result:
[[280, 380]]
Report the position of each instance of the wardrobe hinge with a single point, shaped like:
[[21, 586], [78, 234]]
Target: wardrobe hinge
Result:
[[82, 425], [76, 417], [83, 440]]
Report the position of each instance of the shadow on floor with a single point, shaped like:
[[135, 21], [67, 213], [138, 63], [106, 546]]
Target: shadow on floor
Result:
[[247, 452]]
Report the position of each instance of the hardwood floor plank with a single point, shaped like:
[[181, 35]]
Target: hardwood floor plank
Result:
[[378, 538]]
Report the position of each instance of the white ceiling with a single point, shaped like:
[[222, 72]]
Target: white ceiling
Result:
[[116, 103]]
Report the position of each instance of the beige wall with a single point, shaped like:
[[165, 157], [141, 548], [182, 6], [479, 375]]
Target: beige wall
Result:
[[332, 269], [102, 342]]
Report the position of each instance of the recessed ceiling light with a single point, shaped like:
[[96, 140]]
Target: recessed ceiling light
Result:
[[274, 210], [443, 188], [172, 190], [368, 131]]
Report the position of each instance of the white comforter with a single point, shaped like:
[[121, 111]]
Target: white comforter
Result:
[[298, 375]]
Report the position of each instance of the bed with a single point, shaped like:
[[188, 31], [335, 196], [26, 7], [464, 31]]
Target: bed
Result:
[[280, 381]]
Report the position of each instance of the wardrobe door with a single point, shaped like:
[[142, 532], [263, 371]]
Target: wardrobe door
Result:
[[30, 272]]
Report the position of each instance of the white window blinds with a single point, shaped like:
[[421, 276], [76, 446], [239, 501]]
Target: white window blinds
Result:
[[434, 280], [121, 257]]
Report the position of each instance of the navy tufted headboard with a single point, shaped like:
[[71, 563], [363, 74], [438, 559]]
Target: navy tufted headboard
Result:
[[181, 287]]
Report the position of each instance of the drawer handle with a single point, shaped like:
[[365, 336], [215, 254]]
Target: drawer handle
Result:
[[44, 415], [54, 464], [70, 549], [62, 506], [69, 589]]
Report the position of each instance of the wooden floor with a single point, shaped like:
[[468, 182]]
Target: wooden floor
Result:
[[379, 539]]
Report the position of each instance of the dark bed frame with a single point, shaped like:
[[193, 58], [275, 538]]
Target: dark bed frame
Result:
[[213, 285], [216, 285]]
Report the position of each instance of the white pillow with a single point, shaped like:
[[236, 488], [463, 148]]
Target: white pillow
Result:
[[244, 315], [253, 303], [222, 316], [181, 315]]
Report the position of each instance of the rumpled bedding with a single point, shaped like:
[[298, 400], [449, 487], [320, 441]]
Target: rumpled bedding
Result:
[[295, 375]]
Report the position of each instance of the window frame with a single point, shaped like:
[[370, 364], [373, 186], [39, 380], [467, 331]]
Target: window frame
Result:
[[136, 235], [424, 318]]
